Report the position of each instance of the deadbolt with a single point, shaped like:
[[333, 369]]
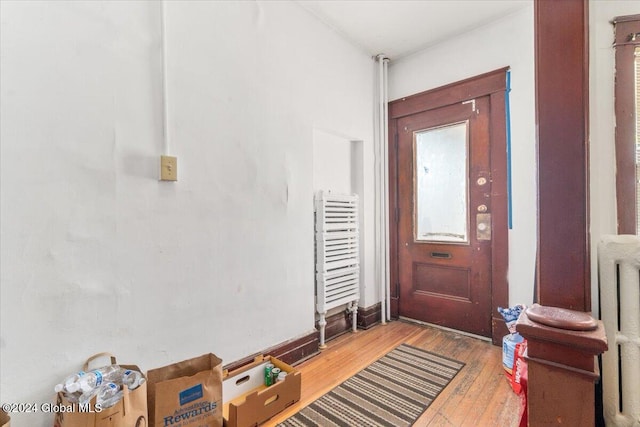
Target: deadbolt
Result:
[[482, 208], [482, 180]]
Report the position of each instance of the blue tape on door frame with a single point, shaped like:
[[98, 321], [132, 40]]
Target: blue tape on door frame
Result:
[[508, 120]]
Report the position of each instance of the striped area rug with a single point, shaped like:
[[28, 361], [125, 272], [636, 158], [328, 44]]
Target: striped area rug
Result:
[[393, 391]]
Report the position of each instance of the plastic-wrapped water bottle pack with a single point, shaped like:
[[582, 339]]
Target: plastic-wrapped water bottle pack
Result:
[[106, 383]]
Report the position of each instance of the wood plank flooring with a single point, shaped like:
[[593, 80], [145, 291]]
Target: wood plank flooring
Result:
[[479, 395]]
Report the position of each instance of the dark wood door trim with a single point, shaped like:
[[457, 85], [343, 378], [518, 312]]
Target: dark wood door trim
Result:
[[625, 125], [463, 90], [493, 84], [562, 83], [499, 200]]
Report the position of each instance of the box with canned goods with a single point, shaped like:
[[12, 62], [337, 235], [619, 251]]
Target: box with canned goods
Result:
[[259, 390]]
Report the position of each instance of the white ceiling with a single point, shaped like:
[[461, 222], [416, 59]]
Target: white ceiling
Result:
[[399, 28]]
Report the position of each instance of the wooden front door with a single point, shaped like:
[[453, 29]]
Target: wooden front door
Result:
[[449, 226], [444, 198]]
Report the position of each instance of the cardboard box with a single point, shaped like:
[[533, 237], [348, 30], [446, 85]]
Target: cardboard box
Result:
[[248, 401], [5, 420]]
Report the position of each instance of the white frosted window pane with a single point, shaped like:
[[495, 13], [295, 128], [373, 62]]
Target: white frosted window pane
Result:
[[440, 174]]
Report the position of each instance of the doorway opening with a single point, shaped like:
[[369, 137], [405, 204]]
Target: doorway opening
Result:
[[448, 205]]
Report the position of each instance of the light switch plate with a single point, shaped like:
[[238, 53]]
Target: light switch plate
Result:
[[168, 168]]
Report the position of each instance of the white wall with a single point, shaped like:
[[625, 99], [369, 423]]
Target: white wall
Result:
[[508, 42], [96, 253], [332, 164], [602, 124]]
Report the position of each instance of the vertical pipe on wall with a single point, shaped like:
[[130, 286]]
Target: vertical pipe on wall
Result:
[[166, 146], [385, 168], [378, 193], [382, 193]]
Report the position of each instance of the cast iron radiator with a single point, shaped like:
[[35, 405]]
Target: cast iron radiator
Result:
[[619, 269]]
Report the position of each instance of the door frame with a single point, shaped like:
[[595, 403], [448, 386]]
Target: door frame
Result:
[[492, 84]]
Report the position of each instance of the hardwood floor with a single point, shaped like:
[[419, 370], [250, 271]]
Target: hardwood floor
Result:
[[479, 395]]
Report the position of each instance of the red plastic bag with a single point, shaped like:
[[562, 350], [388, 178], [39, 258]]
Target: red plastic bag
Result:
[[519, 379], [519, 367]]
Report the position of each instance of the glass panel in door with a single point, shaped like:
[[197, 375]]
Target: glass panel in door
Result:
[[441, 190]]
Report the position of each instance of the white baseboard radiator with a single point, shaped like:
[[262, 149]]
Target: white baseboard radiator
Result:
[[619, 270], [337, 256]]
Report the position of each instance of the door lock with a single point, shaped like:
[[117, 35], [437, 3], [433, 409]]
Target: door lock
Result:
[[483, 226]]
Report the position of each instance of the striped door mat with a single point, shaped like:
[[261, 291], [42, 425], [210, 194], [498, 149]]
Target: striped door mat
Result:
[[393, 391]]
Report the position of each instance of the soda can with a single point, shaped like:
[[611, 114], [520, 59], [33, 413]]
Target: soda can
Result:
[[274, 375], [268, 375]]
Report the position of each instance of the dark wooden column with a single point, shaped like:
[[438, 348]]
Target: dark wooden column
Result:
[[561, 57], [562, 365]]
